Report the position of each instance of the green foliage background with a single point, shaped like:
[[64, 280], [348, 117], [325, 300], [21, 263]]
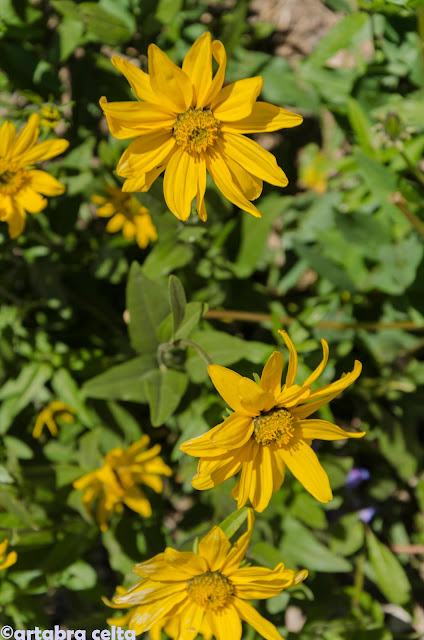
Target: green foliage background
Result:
[[345, 265]]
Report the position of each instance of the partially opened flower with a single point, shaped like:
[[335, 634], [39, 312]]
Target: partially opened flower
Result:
[[49, 416], [187, 124], [21, 187], [117, 482], [126, 213], [268, 430], [6, 559], [205, 592]]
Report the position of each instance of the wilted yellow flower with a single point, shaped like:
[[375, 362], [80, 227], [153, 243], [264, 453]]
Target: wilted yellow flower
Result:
[[187, 125], [49, 117], [20, 186], [126, 213], [268, 430], [206, 591], [115, 483], [49, 416], [9, 559], [313, 169]]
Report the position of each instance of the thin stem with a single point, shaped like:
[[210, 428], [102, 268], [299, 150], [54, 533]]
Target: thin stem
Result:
[[252, 316], [200, 351], [398, 199], [358, 580], [411, 166]]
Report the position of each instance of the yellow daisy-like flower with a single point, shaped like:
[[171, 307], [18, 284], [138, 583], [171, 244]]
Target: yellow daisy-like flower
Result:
[[6, 559], [205, 587], [49, 416], [269, 430], [115, 483], [22, 188], [126, 213], [187, 124]]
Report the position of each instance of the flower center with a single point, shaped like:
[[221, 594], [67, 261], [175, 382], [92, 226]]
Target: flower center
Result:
[[210, 590], [274, 426], [196, 129], [11, 178]]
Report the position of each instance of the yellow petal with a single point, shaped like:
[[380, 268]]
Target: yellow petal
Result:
[[198, 66], [7, 136], [320, 368], [292, 369], [305, 466], [145, 616], [168, 81], [138, 79], [236, 100], [218, 52], [271, 374], [310, 407], [214, 472], [214, 547], [264, 117], [225, 622], [254, 158], [172, 566], [339, 385], [263, 482], [253, 583], [16, 220], [38, 427], [253, 399], [30, 200], [27, 137], [46, 184], [10, 559], [251, 616], [201, 188], [145, 153], [144, 181], [180, 183], [251, 450], [51, 425], [190, 621], [44, 151], [221, 175], [202, 445], [150, 591], [137, 501], [323, 430], [247, 183], [292, 396], [128, 230], [136, 116], [234, 432], [278, 468], [226, 383], [238, 550]]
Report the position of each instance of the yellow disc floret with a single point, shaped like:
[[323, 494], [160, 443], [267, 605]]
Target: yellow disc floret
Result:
[[210, 590], [274, 426], [196, 129], [12, 178]]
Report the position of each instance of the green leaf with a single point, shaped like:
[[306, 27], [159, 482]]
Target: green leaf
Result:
[[5, 477], [361, 125], [300, 546], [233, 522], [125, 420], [123, 382], [178, 301], [193, 312], [166, 256], [70, 36], [79, 576], [348, 32], [389, 574], [164, 390], [380, 180], [67, 391], [147, 302]]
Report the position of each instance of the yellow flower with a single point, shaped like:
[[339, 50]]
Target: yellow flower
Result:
[[187, 124], [128, 214], [268, 430], [184, 590], [313, 169], [48, 417], [115, 483], [49, 117], [20, 186], [9, 559]]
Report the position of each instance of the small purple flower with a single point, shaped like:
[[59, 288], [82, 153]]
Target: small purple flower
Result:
[[356, 476], [367, 514]]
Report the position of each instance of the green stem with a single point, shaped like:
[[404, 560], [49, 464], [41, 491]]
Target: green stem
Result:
[[200, 351], [358, 580], [398, 199], [413, 169]]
